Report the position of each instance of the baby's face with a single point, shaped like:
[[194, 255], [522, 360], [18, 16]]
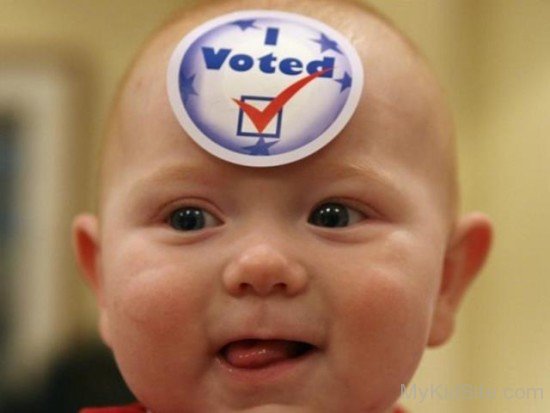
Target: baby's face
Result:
[[308, 287]]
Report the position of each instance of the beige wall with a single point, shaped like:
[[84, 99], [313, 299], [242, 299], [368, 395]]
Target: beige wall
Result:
[[512, 312], [493, 57]]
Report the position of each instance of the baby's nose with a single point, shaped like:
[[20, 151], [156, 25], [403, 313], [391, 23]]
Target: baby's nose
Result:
[[264, 270]]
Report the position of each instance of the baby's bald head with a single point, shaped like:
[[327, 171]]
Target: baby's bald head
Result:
[[401, 95]]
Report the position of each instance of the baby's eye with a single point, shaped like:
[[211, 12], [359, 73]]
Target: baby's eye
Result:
[[335, 215], [191, 219]]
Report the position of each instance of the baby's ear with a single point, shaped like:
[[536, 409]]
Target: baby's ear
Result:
[[87, 247], [465, 256]]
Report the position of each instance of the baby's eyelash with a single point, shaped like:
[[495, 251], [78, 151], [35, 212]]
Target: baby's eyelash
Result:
[[168, 209], [359, 206], [188, 218], [337, 214]]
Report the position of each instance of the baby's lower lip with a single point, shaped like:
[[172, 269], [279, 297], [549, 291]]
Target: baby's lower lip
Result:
[[260, 362]]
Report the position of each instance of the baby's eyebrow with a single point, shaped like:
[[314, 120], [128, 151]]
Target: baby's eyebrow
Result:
[[371, 175], [174, 173], [364, 172]]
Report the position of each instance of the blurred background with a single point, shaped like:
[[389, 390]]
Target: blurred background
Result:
[[60, 61]]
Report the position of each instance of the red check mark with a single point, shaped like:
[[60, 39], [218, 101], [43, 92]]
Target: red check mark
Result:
[[261, 118]]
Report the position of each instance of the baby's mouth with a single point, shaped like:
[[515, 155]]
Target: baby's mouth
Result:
[[258, 354]]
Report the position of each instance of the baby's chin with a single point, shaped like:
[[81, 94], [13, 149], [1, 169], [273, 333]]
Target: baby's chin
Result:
[[320, 402]]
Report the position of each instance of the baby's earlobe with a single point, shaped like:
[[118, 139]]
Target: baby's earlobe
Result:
[[442, 327]]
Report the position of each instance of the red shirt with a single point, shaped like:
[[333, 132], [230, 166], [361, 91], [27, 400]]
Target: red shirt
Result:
[[138, 408], [132, 408]]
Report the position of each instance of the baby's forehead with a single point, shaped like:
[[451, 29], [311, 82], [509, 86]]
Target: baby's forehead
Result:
[[173, 162], [401, 118]]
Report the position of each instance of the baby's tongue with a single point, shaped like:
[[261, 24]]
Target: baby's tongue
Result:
[[254, 354]]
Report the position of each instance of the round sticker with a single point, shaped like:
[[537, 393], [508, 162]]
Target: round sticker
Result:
[[264, 88]]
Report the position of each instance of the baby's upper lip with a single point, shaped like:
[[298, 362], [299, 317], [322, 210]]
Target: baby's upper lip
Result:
[[290, 333]]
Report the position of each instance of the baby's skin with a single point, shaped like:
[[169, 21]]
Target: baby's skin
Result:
[[310, 287]]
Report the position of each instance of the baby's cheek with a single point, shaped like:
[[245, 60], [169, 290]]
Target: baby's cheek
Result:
[[380, 341], [154, 291], [390, 310], [157, 333], [393, 292], [156, 301], [154, 304]]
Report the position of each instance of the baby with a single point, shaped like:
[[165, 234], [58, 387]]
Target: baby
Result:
[[242, 265]]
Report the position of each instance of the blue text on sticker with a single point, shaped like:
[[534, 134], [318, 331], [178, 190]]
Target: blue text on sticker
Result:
[[215, 59], [241, 62]]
